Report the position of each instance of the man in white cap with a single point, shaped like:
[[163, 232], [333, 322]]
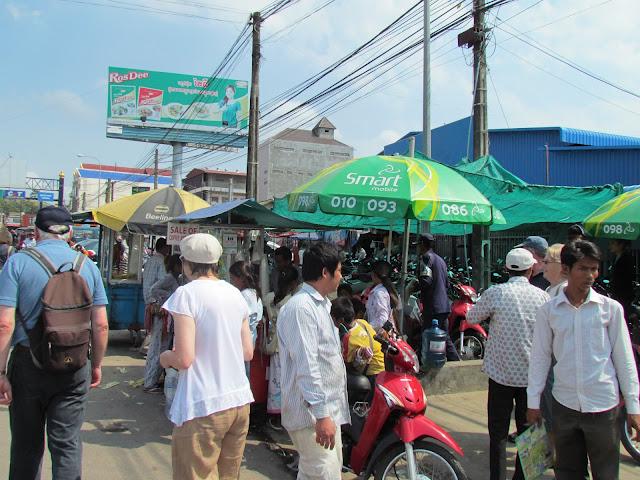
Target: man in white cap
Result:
[[511, 308]]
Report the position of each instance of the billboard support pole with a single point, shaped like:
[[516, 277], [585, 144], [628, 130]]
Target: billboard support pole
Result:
[[176, 165], [61, 189], [252, 150]]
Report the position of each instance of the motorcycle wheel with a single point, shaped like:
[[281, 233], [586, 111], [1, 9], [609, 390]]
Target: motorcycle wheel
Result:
[[630, 445], [432, 461], [474, 344]]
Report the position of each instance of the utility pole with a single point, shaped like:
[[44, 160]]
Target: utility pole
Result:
[[252, 150], [480, 252], [426, 82], [155, 171]]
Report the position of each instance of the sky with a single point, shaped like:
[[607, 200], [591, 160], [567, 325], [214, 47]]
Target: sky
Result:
[[56, 53]]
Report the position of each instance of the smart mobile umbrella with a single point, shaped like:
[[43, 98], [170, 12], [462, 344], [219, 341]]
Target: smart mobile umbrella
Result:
[[618, 218], [395, 187]]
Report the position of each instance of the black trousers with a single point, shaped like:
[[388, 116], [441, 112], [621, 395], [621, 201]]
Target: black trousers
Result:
[[44, 400], [500, 404], [581, 435], [443, 323]]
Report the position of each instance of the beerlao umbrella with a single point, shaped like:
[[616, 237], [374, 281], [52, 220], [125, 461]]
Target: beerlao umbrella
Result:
[[147, 212], [618, 218]]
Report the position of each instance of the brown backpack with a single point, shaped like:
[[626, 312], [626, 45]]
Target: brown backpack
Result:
[[60, 339]]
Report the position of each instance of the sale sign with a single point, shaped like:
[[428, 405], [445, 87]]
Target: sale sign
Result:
[[177, 231]]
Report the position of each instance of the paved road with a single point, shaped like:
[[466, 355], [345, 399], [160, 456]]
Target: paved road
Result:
[[126, 435]]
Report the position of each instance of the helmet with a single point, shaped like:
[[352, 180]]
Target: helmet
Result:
[[358, 387]]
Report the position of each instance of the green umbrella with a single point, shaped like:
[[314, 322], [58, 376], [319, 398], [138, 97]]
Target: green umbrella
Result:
[[618, 218], [394, 187]]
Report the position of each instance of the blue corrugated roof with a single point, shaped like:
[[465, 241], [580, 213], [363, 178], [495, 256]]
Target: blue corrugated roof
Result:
[[122, 176], [596, 139], [523, 151]]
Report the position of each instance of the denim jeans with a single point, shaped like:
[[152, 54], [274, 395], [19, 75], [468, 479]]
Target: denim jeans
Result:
[[45, 400]]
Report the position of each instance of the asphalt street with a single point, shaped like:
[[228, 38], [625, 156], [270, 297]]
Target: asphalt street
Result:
[[126, 435]]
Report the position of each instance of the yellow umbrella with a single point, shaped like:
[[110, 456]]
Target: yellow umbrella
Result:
[[147, 212]]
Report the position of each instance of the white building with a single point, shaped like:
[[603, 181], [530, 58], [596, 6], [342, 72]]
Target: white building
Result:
[[291, 157], [216, 186], [94, 185]]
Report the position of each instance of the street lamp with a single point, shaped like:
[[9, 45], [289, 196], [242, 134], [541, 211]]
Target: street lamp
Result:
[[82, 155]]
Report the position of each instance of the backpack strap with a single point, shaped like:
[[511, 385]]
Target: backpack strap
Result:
[[42, 260], [78, 263], [364, 327]]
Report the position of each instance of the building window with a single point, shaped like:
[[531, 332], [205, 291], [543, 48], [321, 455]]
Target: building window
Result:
[[284, 149], [339, 154], [307, 150]]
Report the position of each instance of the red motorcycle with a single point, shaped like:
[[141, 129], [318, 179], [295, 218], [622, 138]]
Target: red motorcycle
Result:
[[392, 438], [469, 340]]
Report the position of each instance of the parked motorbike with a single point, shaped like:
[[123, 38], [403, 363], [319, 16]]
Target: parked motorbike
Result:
[[469, 339], [632, 446], [391, 437]]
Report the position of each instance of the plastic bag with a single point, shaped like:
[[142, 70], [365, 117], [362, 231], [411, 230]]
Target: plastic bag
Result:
[[170, 385]]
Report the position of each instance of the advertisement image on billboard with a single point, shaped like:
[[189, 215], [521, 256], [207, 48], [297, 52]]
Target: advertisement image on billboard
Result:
[[159, 99]]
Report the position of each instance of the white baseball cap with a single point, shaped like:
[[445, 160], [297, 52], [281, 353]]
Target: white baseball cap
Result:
[[201, 248], [519, 259]]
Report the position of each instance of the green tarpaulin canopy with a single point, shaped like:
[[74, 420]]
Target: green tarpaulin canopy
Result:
[[519, 202]]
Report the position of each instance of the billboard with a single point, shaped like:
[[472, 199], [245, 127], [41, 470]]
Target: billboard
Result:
[[146, 98]]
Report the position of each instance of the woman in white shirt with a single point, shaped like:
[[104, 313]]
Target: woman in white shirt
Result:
[[212, 341], [241, 276], [288, 285], [383, 299]]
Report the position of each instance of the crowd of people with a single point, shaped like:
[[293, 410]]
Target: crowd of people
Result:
[[558, 351]]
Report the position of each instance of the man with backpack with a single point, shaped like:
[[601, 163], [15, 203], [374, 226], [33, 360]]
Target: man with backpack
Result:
[[52, 309]]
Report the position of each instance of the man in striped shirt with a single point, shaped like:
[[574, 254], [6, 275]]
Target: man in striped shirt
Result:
[[314, 382]]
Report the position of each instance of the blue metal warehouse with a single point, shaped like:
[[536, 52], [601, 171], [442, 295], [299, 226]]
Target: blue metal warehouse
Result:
[[546, 155]]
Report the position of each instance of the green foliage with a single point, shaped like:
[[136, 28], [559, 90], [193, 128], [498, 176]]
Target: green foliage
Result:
[[15, 206]]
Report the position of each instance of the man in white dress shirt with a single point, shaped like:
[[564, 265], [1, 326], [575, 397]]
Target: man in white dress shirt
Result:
[[587, 335], [314, 388]]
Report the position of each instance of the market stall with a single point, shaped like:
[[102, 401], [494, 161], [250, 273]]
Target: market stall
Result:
[[128, 228]]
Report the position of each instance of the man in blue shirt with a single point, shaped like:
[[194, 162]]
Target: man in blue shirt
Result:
[[35, 397], [434, 281]]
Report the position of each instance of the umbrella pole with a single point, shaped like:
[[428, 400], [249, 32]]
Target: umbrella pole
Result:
[[389, 243], [403, 275]]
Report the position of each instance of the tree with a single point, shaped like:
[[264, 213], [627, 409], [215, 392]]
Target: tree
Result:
[[10, 205]]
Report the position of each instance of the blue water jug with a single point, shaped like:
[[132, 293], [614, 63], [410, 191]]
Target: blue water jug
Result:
[[434, 347]]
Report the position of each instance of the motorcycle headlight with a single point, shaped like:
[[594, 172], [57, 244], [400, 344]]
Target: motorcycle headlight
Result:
[[390, 398]]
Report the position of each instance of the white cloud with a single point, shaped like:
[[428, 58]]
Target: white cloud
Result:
[[18, 13], [69, 103]]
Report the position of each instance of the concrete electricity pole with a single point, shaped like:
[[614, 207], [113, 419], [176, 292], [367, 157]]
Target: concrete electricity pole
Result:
[[480, 255], [476, 37], [252, 150], [426, 82]]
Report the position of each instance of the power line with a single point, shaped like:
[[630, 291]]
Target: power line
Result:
[[556, 56], [139, 8], [568, 82]]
